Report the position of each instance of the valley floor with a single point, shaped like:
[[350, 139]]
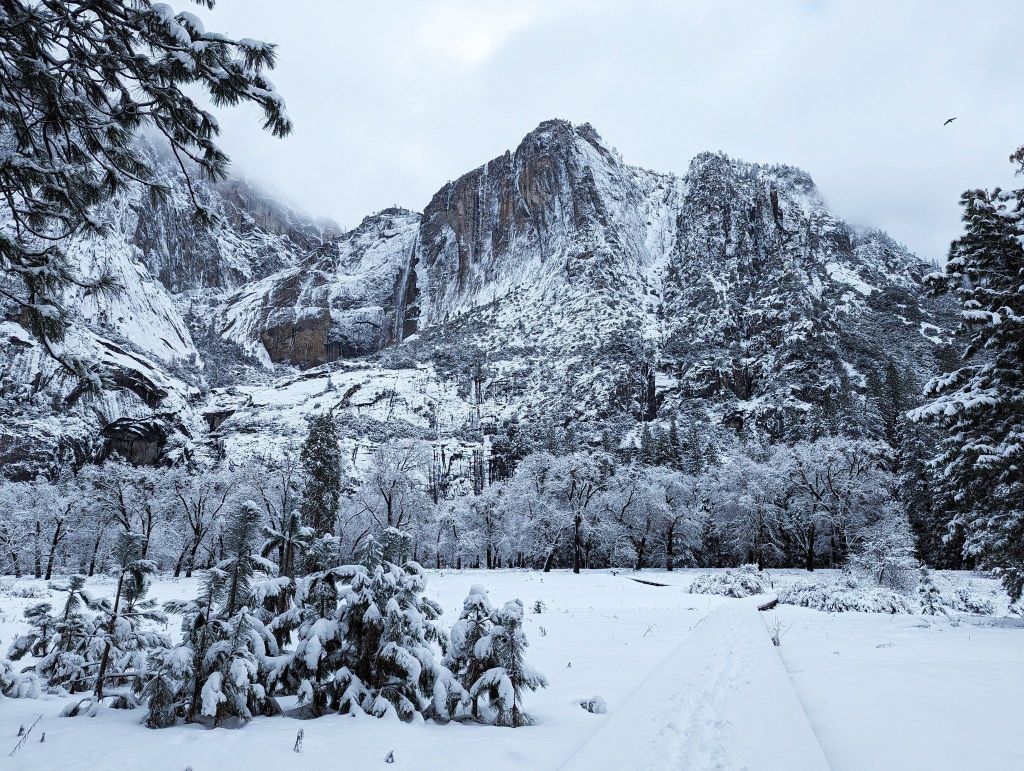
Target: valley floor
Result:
[[691, 681]]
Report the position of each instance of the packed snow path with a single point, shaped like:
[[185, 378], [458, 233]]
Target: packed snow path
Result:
[[722, 700]]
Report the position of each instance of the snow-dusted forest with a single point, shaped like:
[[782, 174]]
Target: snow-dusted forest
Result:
[[582, 465]]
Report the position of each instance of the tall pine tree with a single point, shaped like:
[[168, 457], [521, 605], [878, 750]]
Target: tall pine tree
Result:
[[321, 463], [981, 404]]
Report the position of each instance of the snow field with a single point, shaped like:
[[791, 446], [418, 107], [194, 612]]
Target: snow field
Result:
[[722, 700], [603, 634], [907, 691], [691, 682]]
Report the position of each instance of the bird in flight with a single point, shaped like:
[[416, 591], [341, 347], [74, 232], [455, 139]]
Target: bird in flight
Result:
[[948, 121]]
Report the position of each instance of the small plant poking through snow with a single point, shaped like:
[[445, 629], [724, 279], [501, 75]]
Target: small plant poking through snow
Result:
[[742, 582], [776, 629], [539, 607], [595, 705]]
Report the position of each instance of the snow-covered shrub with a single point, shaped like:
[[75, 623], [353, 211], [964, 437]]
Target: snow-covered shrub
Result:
[[886, 553], [928, 594], [743, 582], [503, 684], [11, 589], [964, 600], [365, 644], [18, 685], [392, 668], [475, 622], [595, 705], [844, 596]]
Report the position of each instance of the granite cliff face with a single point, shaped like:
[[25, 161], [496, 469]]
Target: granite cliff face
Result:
[[553, 283], [338, 301]]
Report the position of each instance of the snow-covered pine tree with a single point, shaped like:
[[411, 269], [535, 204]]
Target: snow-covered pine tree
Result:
[[928, 594], [322, 466], [18, 685], [981, 404], [60, 641], [124, 643], [503, 683], [162, 692], [227, 667], [390, 629], [290, 542], [474, 623], [310, 668]]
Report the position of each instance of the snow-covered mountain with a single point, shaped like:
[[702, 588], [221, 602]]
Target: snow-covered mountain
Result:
[[555, 283]]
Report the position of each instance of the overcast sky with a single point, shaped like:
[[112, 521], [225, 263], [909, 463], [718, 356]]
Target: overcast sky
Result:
[[392, 99]]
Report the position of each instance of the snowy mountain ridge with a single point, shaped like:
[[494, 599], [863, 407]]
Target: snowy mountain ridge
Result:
[[554, 283]]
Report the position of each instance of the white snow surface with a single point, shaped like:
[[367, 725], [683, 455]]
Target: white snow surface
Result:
[[691, 682]]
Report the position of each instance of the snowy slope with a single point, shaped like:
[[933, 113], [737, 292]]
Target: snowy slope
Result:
[[555, 283]]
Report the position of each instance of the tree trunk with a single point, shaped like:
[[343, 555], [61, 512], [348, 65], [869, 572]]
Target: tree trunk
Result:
[[670, 550], [105, 658], [640, 549], [53, 549], [576, 548], [37, 564], [549, 560], [191, 564], [95, 551], [181, 562], [809, 557]]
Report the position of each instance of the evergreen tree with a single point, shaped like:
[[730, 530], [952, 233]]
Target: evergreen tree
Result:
[[61, 641], [474, 623], [291, 543], [928, 594], [365, 638], [162, 691], [503, 683], [322, 466], [18, 685], [647, 453], [674, 447], [981, 403], [224, 665], [389, 627], [122, 640]]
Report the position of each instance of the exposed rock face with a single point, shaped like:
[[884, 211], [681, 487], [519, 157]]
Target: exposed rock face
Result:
[[254, 234], [140, 442], [561, 209], [341, 301]]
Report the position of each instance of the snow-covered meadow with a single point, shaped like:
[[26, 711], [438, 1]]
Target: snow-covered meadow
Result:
[[690, 681]]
